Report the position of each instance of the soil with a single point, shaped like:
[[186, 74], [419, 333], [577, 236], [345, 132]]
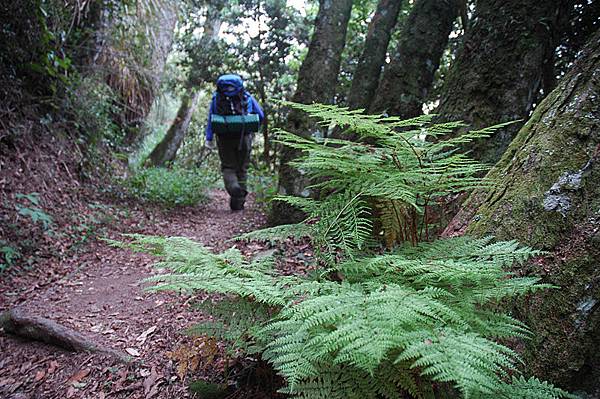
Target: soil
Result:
[[98, 290]]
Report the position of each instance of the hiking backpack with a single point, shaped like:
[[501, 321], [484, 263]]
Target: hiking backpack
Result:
[[231, 104]]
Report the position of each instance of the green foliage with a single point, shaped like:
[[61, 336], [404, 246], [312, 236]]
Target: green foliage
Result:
[[420, 319], [192, 152], [91, 105], [398, 322], [339, 224], [33, 211], [161, 115], [263, 183], [170, 187], [9, 253], [277, 234], [403, 170]]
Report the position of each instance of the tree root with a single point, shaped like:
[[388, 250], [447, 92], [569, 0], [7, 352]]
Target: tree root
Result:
[[18, 323]]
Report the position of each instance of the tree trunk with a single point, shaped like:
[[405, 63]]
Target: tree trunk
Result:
[[368, 70], [166, 150], [317, 81], [407, 79], [21, 324], [162, 30], [498, 72], [547, 196]]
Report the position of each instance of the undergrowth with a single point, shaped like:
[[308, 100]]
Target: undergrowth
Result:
[[417, 319], [171, 187]]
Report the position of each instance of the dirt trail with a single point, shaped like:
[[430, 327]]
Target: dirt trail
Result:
[[102, 297]]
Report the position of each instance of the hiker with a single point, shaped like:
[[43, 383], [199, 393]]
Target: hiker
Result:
[[233, 117]]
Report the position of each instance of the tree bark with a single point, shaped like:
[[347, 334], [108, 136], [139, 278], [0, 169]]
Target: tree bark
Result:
[[368, 70], [161, 26], [18, 323], [166, 150], [547, 195], [408, 78], [164, 32], [498, 72], [317, 81]]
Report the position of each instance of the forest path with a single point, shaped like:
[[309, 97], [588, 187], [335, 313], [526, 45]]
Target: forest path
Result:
[[102, 297]]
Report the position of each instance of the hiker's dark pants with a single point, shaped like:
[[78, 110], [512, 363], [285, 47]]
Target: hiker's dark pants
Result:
[[235, 159]]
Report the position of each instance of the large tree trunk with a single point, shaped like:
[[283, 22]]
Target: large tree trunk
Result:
[[164, 32], [161, 27], [317, 81], [498, 72], [368, 70], [547, 196], [408, 78], [166, 150]]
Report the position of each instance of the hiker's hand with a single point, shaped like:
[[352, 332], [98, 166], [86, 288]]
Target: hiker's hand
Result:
[[210, 144]]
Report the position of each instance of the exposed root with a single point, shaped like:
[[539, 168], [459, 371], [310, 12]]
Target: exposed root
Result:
[[18, 323]]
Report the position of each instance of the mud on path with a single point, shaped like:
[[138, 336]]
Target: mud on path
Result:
[[100, 294]]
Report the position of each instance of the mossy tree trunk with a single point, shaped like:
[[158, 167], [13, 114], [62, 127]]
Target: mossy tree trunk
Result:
[[162, 29], [317, 81], [499, 69], [368, 70], [548, 196], [407, 79], [166, 150]]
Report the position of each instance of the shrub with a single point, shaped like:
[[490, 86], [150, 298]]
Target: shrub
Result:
[[420, 319], [8, 255], [170, 187], [263, 183]]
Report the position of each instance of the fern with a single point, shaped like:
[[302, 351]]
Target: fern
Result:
[[277, 234], [419, 310], [418, 320], [234, 320]]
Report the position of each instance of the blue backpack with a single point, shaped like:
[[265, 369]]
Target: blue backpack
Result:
[[231, 108]]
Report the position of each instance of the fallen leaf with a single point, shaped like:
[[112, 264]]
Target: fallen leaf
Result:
[[7, 381], [143, 336], [132, 351], [53, 366], [153, 392], [78, 376], [71, 391], [151, 381], [39, 375]]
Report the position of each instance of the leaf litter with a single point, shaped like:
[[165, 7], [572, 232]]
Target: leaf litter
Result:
[[98, 291]]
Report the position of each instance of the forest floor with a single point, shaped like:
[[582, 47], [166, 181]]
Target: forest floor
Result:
[[99, 292]]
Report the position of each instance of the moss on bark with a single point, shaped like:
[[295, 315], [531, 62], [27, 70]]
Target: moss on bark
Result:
[[497, 74], [407, 79], [548, 196], [317, 80]]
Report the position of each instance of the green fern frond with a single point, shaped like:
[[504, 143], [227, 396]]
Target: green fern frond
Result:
[[418, 320], [278, 233], [235, 320], [472, 363], [520, 388]]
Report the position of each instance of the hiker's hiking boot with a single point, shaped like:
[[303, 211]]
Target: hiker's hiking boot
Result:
[[237, 203]]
